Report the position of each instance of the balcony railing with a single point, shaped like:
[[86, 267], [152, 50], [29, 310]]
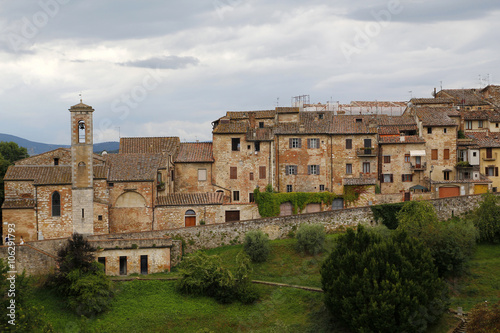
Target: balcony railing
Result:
[[418, 167], [367, 152]]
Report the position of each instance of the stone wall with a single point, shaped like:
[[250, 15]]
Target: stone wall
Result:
[[215, 235]]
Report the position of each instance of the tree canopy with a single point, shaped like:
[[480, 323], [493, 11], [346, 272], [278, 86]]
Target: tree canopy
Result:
[[380, 284]]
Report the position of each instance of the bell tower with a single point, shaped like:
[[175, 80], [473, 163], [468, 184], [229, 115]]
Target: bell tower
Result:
[[82, 175]]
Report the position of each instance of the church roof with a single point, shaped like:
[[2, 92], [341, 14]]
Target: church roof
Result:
[[134, 167], [150, 145]]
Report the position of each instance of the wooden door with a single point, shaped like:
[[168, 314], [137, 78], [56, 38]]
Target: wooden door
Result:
[[232, 215], [190, 221]]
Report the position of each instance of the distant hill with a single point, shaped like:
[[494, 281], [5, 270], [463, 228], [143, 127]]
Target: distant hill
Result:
[[35, 148]]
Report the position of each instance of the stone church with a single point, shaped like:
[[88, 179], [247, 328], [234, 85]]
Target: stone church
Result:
[[153, 183]]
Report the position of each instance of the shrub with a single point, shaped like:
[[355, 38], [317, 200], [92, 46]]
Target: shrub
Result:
[[485, 218], [311, 238], [382, 285], [386, 214], [484, 318], [81, 279], [256, 245], [451, 243], [89, 294], [205, 275]]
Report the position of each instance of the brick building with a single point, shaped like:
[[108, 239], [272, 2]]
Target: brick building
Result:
[[158, 183]]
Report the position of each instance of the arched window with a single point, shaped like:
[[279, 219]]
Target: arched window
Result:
[[190, 218], [81, 131], [56, 204], [81, 164]]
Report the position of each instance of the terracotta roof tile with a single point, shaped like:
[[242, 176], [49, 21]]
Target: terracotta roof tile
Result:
[[435, 116], [40, 175], [401, 139], [45, 175], [264, 114], [282, 109], [151, 145], [134, 167], [18, 204], [424, 101], [362, 124], [192, 152], [237, 127], [485, 139], [463, 96], [190, 199]]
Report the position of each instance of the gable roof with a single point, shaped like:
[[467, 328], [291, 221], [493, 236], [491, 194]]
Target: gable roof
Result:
[[18, 203], [263, 114], [195, 152], [435, 116], [150, 145], [463, 96], [48, 174], [134, 167], [190, 199]]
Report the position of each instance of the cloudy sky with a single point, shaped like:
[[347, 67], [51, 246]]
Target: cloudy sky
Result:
[[169, 68]]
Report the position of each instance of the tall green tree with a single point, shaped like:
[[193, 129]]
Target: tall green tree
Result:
[[380, 284], [451, 243], [486, 218]]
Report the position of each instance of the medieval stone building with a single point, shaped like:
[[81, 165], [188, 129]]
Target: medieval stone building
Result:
[[159, 183]]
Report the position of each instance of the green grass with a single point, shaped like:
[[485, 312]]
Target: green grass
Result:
[[481, 282], [155, 306]]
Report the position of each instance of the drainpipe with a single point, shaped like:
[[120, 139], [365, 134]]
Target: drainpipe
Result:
[[278, 162], [331, 164], [36, 213], [153, 204]]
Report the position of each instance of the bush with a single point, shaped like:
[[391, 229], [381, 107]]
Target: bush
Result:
[[484, 318], [81, 279], [485, 218], [382, 285], [205, 275], [256, 245], [451, 243], [28, 317], [89, 294], [386, 214], [311, 238]]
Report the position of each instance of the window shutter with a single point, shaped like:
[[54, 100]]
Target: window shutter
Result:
[[402, 178], [290, 142], [300, 143], [233, 173], [317, 168], [391, 178], [496, 171], [308, 169], [262, 172], [382, 179], [308, 143], [411, 178], [486, 171]]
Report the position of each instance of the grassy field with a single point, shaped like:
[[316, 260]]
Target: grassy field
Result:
[[155, 306]]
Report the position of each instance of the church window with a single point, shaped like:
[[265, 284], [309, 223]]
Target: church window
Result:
[[56, 204]]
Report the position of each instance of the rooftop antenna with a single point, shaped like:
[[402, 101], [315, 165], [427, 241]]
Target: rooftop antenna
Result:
[[411, 94], [441, 82], [277, 101], [80, 97], [119, 135]]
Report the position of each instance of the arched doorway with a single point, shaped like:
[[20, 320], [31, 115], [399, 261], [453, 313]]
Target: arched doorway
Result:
[[190, 218]]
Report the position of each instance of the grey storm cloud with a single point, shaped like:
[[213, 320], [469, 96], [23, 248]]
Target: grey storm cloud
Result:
[[166, 62]]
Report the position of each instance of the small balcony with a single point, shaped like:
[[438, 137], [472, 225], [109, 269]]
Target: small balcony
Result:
[[463, 165], [367, 152], [418, 167]]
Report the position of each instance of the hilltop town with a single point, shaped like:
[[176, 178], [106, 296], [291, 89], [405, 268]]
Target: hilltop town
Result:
[[386, 152]]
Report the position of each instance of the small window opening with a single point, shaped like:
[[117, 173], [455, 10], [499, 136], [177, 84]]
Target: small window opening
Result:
[[261, 124], [81, 131], [56, 161]]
